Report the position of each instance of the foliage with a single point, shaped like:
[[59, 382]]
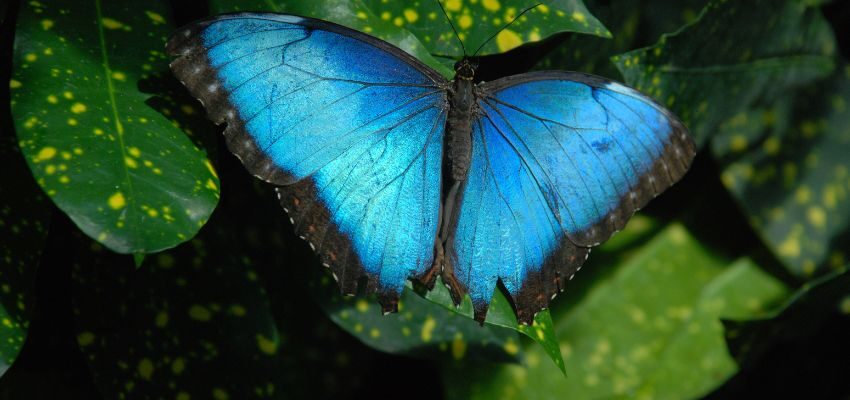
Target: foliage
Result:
[[629, 337], [802, 315], [24, 220], [712, 68], [787, 165], [125, 173], [688, 295], [421, 29]]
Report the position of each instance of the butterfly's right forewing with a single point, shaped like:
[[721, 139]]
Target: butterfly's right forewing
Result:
[[350, 126]]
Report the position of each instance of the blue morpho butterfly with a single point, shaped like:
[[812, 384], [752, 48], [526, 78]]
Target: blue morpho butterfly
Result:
[[392, 172]]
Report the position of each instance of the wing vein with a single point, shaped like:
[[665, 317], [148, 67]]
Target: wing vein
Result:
[[555, 213], [544, 122]]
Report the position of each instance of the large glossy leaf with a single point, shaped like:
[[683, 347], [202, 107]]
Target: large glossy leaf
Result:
[[421, 29], [787, 165], [125, 174], [724, 63], [24, 217], [648, 328]]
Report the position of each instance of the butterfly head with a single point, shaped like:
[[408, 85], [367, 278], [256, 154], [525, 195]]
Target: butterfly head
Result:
[[465, 69]]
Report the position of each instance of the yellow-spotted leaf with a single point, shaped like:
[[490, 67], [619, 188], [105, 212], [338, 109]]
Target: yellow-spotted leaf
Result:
[[126, 174], [225, 315], [787, 165], [501, 314], [723, 62], [24, 217], [420, 328], [646, 327], [476, 21], [192, 323], [633, 24], [591, 54], [421, 28]]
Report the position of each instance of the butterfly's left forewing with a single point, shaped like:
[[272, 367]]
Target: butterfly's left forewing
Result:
[[350, 127], [560, 162]]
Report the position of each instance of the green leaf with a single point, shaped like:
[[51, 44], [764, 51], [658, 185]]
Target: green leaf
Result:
[[666, 16], [476, 21], [24, 217], [177, 327], [227, 313], [723, 63], [420, 328], [801, 316], [591, 54], [646, 328], [787, 167], [542, 331], [632, 23], [421, 29], [125, 174], [501, 314]]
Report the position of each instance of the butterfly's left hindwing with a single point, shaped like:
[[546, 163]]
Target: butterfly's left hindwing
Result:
[[560, 162], [351, 127]]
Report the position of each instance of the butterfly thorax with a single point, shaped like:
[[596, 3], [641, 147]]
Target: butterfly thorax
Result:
[[459, 121]]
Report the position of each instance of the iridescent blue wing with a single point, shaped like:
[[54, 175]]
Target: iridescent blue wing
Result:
[[349, 126], [560, 162]]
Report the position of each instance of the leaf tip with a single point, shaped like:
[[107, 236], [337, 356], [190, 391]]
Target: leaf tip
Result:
[[138, 259]]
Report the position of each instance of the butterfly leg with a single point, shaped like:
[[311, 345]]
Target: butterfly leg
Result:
[[444, 232], [388, 302], [456, 289], [430, 276]]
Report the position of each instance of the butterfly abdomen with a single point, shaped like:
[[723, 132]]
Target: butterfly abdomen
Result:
[[459, 128]]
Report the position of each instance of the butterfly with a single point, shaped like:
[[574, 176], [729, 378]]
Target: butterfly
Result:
[[392, 172]]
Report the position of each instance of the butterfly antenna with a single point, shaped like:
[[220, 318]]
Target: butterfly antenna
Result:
[[505, 27], [453, 27]]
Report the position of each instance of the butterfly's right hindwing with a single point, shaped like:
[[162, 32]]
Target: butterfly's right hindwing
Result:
[[560, 162]]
